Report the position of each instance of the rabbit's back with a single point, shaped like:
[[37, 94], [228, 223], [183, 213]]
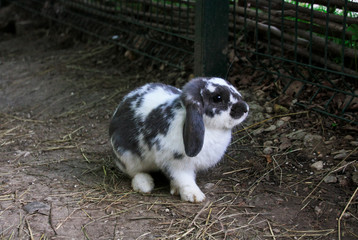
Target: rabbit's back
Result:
[[141, 120]]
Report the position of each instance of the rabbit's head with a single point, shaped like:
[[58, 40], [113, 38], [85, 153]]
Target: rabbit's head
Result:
[[210, 103]]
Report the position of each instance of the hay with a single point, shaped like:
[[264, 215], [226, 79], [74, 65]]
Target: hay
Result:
[[344, 211]]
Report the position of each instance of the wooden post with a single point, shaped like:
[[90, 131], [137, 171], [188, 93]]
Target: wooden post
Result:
[[211, 38]]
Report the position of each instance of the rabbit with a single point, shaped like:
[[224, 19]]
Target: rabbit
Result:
[[158, 127]]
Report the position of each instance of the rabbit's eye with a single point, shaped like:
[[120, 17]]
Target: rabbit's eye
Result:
[[217, 99]]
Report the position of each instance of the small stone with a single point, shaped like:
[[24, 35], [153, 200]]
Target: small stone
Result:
[[318, 210], [297, 135], [286, 119], [267, 150], [48, 199], [285, 143], [270, 128], [280, 123], [269, 109], [349, 138], [341, 155], [317, 165], [257, 131], [311, 140], [37, 207], [330, 179], [258, 116], [276, 230], [268, 143], [347, 215], [209, 185], [254, 106], [260, 94]]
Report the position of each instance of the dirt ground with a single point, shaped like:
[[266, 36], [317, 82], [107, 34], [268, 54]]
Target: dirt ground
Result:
[[287, 175]]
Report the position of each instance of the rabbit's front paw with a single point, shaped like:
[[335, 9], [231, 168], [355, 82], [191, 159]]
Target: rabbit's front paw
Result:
[[142, 182], [192, 194]]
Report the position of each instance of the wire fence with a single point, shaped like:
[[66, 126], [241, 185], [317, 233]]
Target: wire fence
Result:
[[160, 30], [307, 51]]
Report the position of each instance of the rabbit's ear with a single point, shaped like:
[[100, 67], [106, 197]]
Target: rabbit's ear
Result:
[[194, 130]]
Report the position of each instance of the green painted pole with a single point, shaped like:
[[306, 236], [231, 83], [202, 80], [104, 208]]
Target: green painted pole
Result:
[[211, 38]]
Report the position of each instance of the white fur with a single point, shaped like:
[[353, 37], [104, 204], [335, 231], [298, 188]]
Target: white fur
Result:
[[140, 90], [211, 87], [142, 182], [218, 81], [183, 183], [183, 171], [153, 99], [222, 82], [233, 100]]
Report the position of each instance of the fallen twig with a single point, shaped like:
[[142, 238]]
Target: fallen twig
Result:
[[57, 148], [268, 119], [271, 231], [29, 228], [344, 211], [199, 213]]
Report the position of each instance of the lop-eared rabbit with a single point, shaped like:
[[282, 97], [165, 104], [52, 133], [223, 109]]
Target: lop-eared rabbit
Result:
[[179, 132]]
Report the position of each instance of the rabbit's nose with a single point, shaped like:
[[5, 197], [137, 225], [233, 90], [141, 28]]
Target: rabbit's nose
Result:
[[238, 109]]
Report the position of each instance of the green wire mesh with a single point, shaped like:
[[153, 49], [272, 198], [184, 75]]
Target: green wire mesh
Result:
[[310, 50]]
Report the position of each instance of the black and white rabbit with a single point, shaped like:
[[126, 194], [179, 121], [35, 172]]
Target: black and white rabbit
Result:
[[159, 127]]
